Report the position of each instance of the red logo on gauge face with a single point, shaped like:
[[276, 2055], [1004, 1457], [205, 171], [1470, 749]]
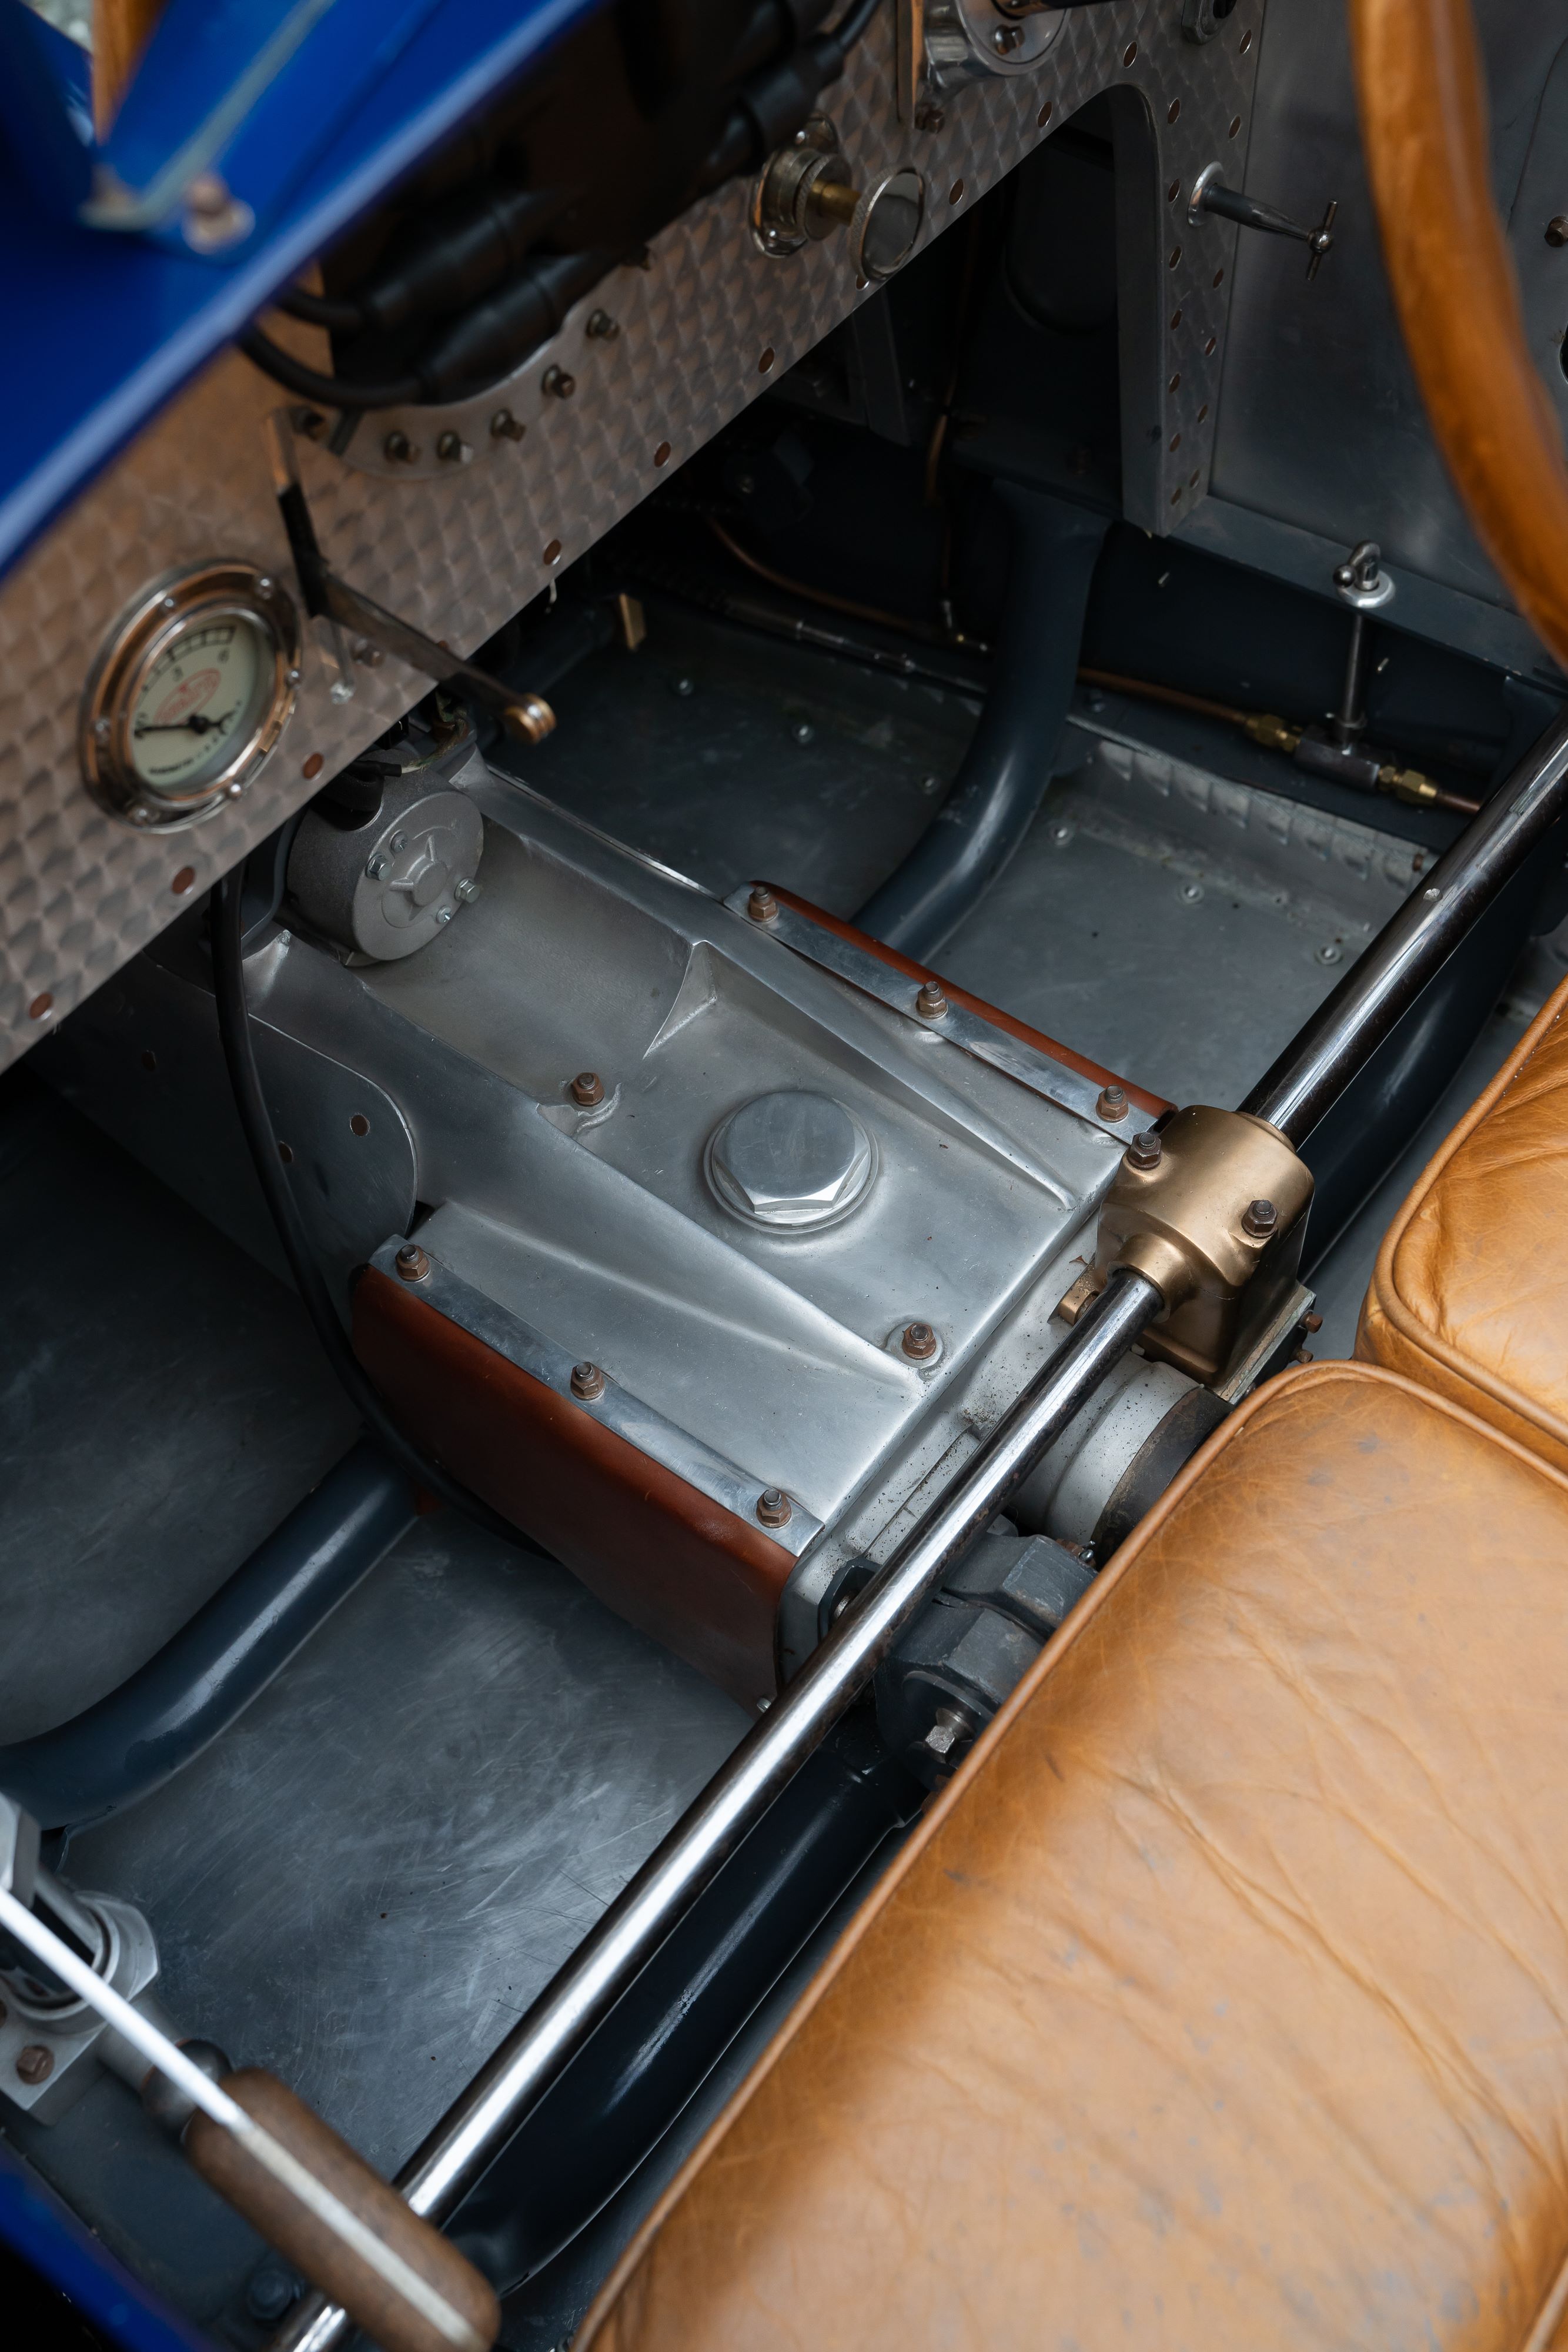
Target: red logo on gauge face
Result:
[[195, 693]]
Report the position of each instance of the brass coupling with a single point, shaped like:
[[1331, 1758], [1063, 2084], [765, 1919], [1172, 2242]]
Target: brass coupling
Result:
[[1211, 1210]]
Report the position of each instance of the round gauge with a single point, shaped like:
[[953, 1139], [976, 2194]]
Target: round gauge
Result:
[[189, 695]]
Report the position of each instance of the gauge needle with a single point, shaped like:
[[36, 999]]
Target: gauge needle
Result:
[[198, 723]]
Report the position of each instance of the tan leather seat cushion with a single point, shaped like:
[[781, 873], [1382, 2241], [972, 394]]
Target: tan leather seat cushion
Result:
[[1470, 1293], [1221, 2003]]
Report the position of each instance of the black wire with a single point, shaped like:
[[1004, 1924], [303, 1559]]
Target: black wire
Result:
[[331, 391], [854, 22], [239, 1053], [320, 311]]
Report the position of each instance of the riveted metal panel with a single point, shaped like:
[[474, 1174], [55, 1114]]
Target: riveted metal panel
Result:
[[457, 548]]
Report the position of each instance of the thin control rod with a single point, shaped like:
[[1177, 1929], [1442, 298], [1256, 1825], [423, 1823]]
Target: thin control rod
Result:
[[540, 2046], [171, 2061], [1409, 951]]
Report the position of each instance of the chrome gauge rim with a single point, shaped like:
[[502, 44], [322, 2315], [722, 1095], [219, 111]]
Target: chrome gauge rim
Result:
[[168, 613]]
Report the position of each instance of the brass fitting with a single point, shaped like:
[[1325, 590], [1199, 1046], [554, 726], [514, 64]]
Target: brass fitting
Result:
[[1213, 1219], [1275, 734]]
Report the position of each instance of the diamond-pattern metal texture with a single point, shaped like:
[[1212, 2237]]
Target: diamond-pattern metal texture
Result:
[[458, 547]]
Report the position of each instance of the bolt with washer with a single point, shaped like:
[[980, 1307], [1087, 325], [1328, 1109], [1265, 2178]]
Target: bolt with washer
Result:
[[1111, 1103], [762, 906], [919, 1341], [587, 1382], [1144, 1151], [411, 1262], [1260, 1219], [587, 1088], [773, 1507], [931, 1004]]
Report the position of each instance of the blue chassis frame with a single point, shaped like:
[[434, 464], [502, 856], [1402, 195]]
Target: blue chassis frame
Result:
[[105, 325]]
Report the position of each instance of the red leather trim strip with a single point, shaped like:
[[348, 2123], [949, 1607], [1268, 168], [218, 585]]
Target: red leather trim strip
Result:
[[1155, 1104], [677, 1566]]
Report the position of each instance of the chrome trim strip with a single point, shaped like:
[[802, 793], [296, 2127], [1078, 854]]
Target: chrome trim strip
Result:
[[958, 1026]]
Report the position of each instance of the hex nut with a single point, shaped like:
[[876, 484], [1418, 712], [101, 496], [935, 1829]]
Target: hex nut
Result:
[[931, 1004], [762, 906], [587, 1088], [411, 1262], [790, 1162], [1557, 229], [587, 1382], [1144, 1151], [773, 1507], [1260, 1219], [34, 2064], [919, 1341], [1111, 1103]]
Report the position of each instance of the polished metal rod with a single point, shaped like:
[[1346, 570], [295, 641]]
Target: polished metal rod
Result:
[[1380, 987], [484, 2118]]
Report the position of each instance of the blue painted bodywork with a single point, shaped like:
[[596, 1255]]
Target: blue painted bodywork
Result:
[[102, 325], [48, 2235]]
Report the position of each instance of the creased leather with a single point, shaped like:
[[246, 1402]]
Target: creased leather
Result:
[[1470, 1291], [1221, 2003]]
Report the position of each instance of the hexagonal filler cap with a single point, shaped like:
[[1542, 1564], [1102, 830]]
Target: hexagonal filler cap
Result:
[[791, 1162]]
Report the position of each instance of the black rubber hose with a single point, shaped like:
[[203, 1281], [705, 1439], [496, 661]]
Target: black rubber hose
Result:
[[631, 2080], [239, 1053], [322, 311], [1000, 787], [331, 391], [130, 1742]]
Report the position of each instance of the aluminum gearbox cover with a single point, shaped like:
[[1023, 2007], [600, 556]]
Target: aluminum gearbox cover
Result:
[[387, 881]]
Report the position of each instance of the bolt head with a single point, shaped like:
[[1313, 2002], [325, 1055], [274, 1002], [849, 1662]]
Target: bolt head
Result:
[[762, 906], [684, 686], [791, 1162], [919, 1342], [587, 1088], [773, 1507], [587, 1382], [1260, 1219], [376, 867], [411, 1262], [1145, 1151], [1112, 1102], [504, 426], [931, 1004], [399, 841], [953, 1727], [558, 384], [1557, 229], [466, 891], [805, 732], [1007, 38], [34, 2064]]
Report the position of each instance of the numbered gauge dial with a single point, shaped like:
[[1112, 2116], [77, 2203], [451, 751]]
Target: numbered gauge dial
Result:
[[189, 695]]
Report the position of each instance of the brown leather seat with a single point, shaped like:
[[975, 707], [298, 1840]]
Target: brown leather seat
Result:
[[1221, 2003], [1470, 1293]]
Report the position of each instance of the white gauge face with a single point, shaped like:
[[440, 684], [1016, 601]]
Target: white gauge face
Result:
[[189, 695], [198, 700]]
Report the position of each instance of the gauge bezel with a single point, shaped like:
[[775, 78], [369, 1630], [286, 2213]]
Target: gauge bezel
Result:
[[161, 612]]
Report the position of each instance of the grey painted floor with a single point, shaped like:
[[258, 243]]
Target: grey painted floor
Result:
[[371, 1874]]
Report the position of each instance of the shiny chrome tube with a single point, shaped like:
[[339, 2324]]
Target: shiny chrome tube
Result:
[[538, 2047], [1380, 987]]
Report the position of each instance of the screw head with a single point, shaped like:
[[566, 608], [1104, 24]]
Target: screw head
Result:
[[369, 657], [773, 1507], [452, 450], [399, 841], [1260, 1219], [1144, 1151], [587, 1088], [1112, 1102], [762, 906], [34, 2064], [556, 382], [504, 426], [411, 1262], [397, 449], [682, 687], [1333, 953], [1557, 229], [1007, 38], [587, 1382], [931, 1004], [805, 732], [919, 1341], [929, 118], [603, 327]]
